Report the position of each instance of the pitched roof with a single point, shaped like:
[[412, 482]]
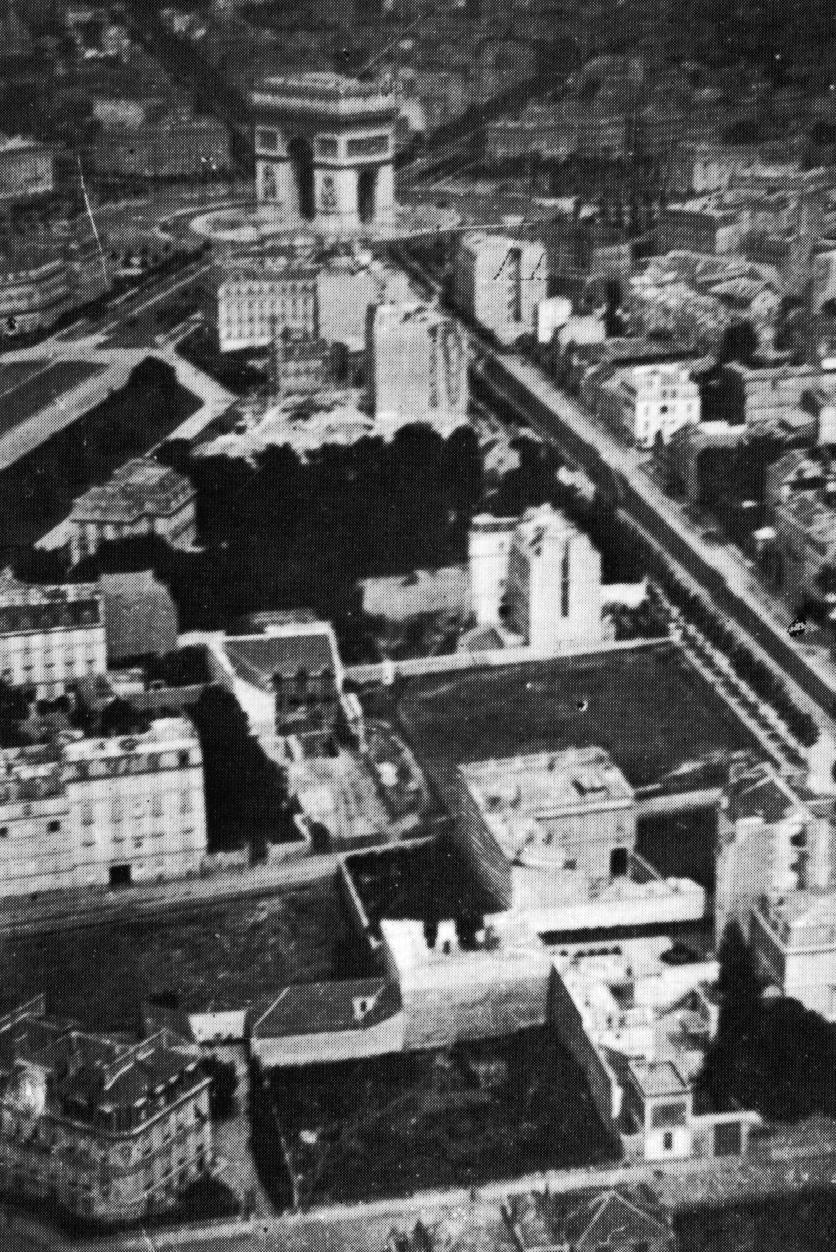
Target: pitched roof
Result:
[[658, 1078], [258, 659], [140, 615], [615, 1220], [315, 1008], [759, 793]]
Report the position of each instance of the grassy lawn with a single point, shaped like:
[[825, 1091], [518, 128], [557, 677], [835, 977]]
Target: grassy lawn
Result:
[[647, 707], [397, 1124], [799, 1223], [28, 398], [223, 957]]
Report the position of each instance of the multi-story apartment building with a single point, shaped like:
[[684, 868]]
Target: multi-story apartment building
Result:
[[40, 282], [26, 169], [805, 538], [102, 812], [88, 270], [703, 225], [554, 583], [34, 291], [306, 294], [650, 401], [303, 365], [417, 363], [770, 838], [111, 1131], [793, 937], [499, 282], [760, 395], [50, 636], [259, 298], [142, 498], [172, 148], [542, 573]]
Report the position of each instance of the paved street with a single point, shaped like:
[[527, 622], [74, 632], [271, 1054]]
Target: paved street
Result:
[[627, 464]]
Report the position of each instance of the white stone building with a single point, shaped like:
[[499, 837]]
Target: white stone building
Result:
[[260, 297], [499, 282], [552, 836], [793, 938], [26, 169], [495, 987], [771, 837], [651, 401], [50, 636], [308, 292], [102, 812], [324, 149], [417, 363], [34, 292], [542, 574], [142, 498]]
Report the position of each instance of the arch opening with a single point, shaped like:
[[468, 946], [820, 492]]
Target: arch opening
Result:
[[301, 156], [366, 195]]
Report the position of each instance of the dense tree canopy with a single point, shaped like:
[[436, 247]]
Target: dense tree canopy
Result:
[[246, 795]]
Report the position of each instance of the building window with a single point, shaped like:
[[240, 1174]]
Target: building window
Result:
[[4, 832], [667, 1141], [87, 814], [619, 862], [53, 827], [186, 802], [157, 806], [183, 759]]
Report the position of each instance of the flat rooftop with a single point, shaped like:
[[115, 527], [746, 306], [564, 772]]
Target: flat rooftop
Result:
[[545, 783]]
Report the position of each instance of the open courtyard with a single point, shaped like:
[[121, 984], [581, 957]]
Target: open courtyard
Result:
[[397, 1124], [647, 707], [221, 956]]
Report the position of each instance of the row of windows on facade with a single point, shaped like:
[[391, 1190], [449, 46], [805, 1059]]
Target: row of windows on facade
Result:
[[233, 319], [139, 810], [179, 1122], [71, 665], [48, 620], [54, 826], [20, 1178]]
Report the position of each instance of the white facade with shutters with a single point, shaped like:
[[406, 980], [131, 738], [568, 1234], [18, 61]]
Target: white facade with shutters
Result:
[[100, 812]]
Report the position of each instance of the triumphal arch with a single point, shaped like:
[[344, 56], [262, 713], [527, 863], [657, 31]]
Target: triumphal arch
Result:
[[324, 150]]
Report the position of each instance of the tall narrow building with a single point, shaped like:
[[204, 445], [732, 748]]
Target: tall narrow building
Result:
[[417, 362]]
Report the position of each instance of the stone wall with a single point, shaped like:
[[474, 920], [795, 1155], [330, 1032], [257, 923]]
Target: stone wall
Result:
[[603, 1086]]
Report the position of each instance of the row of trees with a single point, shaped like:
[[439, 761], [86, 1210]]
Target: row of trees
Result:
[[246, 793], [763, 680], [283, 532]]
